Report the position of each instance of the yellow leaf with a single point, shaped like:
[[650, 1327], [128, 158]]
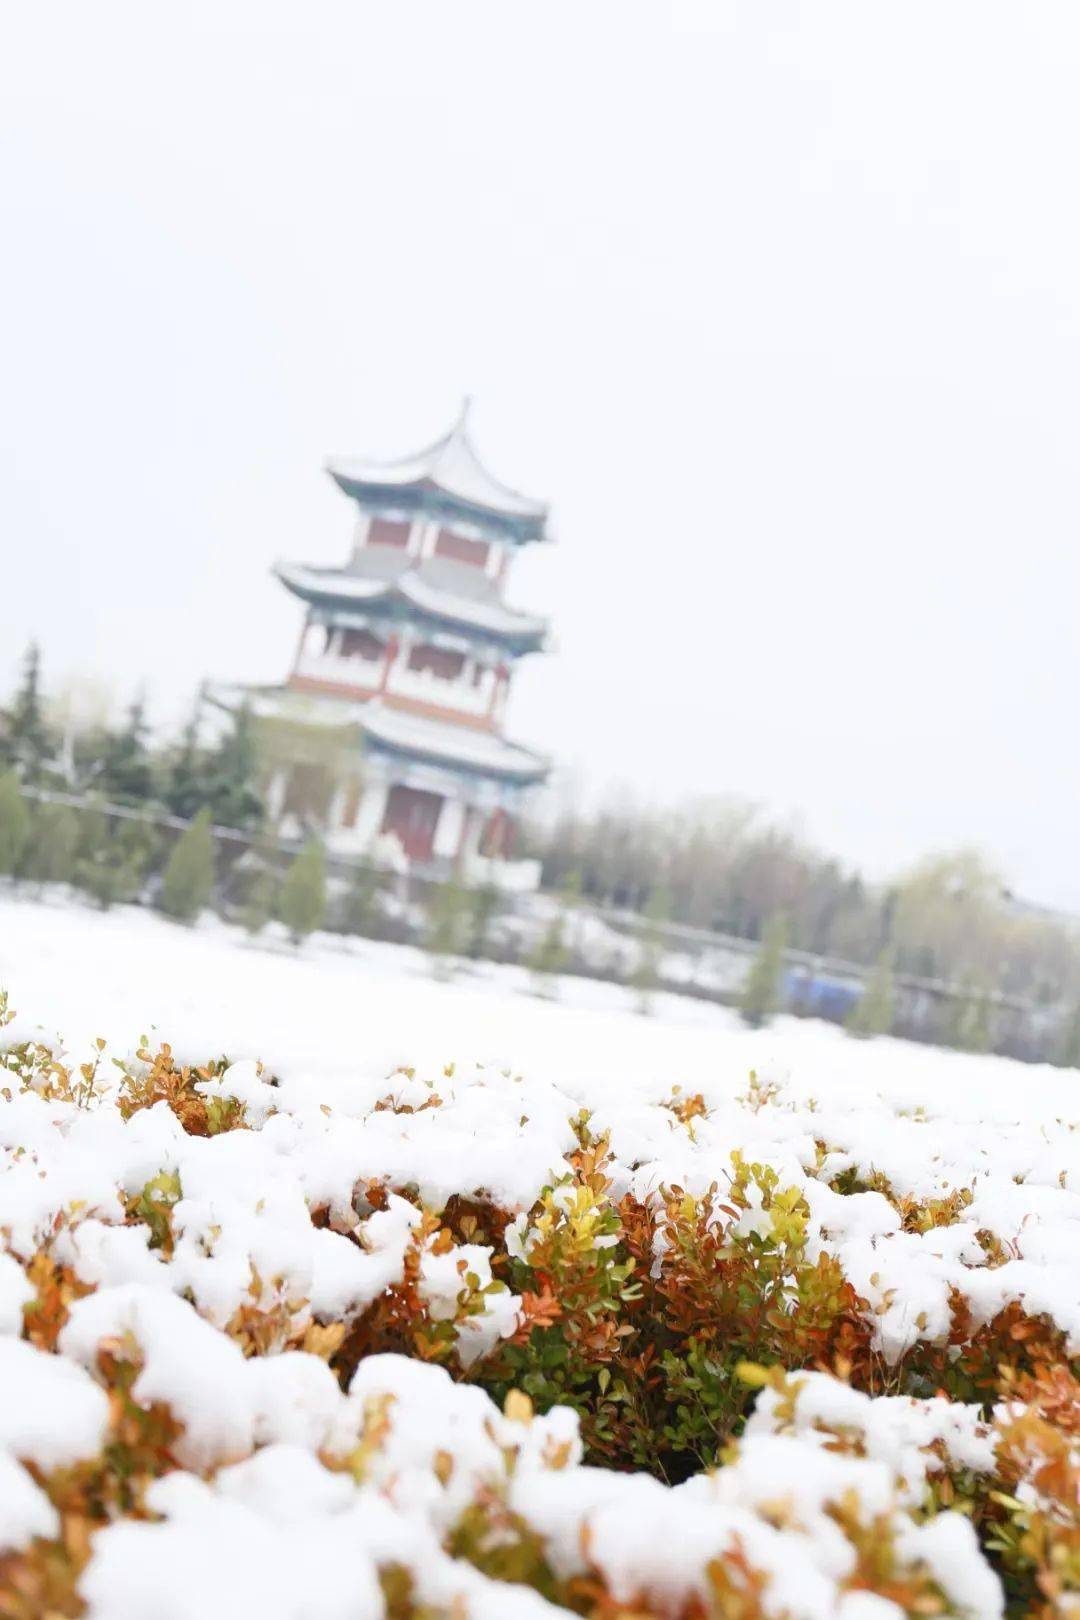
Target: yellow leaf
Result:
[[518, 1407]]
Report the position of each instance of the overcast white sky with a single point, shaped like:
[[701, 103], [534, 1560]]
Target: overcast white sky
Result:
[[779, 305]]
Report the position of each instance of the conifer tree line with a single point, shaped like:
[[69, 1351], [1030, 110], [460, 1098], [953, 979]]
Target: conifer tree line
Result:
[[199, 780], [715, 866], [207, 782], [122, 764]]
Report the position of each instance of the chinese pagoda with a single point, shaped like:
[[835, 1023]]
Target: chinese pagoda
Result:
[[387, 735]]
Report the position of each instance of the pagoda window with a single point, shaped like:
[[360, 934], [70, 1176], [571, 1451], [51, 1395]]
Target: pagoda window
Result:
[[440, 661], [461, 548], [362, 644], [389, 532]]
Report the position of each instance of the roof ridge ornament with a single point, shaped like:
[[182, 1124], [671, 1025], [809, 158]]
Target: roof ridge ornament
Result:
[[460, 427], [453, 466]]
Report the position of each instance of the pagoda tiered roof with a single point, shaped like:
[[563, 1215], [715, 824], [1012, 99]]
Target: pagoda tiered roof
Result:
[[446, 479], [389, 730], [484, 753], [438, 589]]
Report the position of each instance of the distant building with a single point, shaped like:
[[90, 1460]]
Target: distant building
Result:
[[388, 733]]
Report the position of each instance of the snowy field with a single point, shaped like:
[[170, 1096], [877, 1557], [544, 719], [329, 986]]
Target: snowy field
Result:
[[342, 1007], [334, 1337]]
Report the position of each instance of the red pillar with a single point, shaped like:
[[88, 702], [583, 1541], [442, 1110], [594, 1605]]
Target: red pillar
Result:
[[392, 647]]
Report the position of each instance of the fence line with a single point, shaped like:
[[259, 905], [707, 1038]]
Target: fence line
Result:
[[157, 818], [670, 936], [677, 933]]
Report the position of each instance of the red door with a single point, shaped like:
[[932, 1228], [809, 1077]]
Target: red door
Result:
[[412, 816]]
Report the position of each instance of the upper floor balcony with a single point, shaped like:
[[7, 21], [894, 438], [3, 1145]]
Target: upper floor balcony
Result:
[[436, 677]]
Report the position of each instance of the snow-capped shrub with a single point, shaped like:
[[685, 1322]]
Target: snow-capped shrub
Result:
[[359, 1352]]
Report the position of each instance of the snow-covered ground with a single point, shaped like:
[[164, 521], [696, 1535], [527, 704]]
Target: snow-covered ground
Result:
[[340, 1007], [945, 1188]]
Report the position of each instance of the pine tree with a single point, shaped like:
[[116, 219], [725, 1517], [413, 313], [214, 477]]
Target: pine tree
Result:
[[260, 899], [14, 823], [446, 922], [112, 862], [94, 858], [761, 995], [54, 837], [968, 1024], [93, 835], [646, 974], [25, 741], [302, 901], [185, 783], [362, 901], [189, 875], [873, 1013], [231, 775], [127, 769], [549, 957], [483, 904], [981, 1025]]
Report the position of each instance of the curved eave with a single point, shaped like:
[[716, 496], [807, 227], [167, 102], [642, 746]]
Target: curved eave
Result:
[[273, 705], [399, 602], [312, 590], [524, 775], [365, 721], [426, 497]]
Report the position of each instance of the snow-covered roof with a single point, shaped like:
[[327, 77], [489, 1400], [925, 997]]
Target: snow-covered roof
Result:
[[457, 746], [285, 702], [452, 465], [336, 582], [485, 615], [421, 590], [464, 746]]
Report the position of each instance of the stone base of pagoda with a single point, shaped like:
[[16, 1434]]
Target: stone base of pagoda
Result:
[[508, 876]]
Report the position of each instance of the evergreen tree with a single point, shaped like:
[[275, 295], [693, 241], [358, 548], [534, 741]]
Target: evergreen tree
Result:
[[185, 783], [446, 923], [302, 901], [14, 823], [549, 957], [25, 742], [647, 971], [93, 833], [968, 1024], [483, 904], [362, 901], [112, 862], [232, 775], [761, 995], [260, 899], [873, 1013], [127, 769], [189, 875], [54, 837], [981, 1025]]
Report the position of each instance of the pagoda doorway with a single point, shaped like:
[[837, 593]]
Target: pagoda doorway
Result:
[[412, 816]]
